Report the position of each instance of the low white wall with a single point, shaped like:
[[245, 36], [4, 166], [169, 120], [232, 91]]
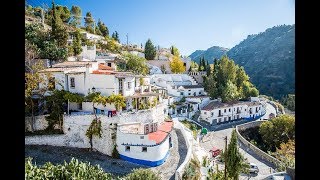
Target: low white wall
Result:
[[187, 134], [39, 123]]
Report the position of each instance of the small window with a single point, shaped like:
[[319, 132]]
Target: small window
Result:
[[212, 114], [144, 149], [225, 110], [205, 113], [189, 94], [181, 93], [229, 109], [234, 109], [72, 83], [199, 92], [184, 64], [102, 111], [189, 90], [129, 85], [109, 64], [80, 106], [127, 148], [146, 129], [141, 137]]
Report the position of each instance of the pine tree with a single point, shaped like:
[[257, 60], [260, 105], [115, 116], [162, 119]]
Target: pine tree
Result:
[[75, 16], [234, 161], [208, 69], [149, 50], [88, 22], [76, 44]]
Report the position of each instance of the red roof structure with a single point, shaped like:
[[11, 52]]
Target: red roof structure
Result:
[[163, 130]]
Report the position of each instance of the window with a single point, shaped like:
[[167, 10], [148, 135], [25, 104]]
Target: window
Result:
[[52, 84], [141, 137], [109, 64], [212, 114], [181, 93], [144, 149], [102, 111], [225, 110], [225, 118], [189, 90], [189, 94], [155, 127], [146, 128], [229, 109], [234, 109], [127, 148], [80, 106], [199, 93], [184, 64], [151, 127], [72, 83], [205, 113], [120, 85], [129, 85]]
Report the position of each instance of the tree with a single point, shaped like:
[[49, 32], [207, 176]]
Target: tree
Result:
[[112, 45], [115, 36], [63, 13], [192, 171], [163, 69], [76, 43], [230, 92], [176, 65], [89, 22], [58, 31], [278, 130], [289, 101], [75, 19], [136, 64], [142, 174], [286, 154], [175, 51], [52, 52], [149, 50], [234, 161], [103, 28], [208, 69], [118, 100]]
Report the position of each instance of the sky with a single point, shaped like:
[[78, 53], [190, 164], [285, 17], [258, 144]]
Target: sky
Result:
[[188, 24]]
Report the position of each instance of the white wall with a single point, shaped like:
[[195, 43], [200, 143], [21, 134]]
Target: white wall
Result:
[[79, 80], [88, 53], [106, 84], [39, 123], [154, 153]]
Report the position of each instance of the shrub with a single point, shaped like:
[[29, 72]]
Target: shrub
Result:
[[142, 174]]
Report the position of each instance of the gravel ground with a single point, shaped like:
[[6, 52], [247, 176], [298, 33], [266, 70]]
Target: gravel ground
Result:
[[42, 154]]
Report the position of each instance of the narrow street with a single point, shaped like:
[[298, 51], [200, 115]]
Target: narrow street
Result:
[[216, 139]]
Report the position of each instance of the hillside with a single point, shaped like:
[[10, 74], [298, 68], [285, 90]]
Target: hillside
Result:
[[269, 60], [209, 54]]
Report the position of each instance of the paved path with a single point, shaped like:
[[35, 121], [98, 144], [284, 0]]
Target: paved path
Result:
[[217, 139], [42, 154], [269, 109]]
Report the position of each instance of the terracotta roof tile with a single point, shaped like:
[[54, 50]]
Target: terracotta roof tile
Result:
[[161, 133]]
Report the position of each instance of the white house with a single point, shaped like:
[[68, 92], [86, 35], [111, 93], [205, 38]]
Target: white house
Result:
[[144, 143], [217, 112]]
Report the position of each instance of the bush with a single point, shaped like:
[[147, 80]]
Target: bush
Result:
[[73, 170], [142, 174]]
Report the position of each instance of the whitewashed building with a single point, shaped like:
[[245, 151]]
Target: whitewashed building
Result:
[[144, 143], [217, 112]]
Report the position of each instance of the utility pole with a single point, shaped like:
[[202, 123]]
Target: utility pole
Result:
[[225, 159], [42, 15]]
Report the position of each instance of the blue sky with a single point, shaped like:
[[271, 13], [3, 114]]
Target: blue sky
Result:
[[187, 24]]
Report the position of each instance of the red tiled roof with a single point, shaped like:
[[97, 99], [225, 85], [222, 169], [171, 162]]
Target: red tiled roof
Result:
[[104, 67], [161, 133]]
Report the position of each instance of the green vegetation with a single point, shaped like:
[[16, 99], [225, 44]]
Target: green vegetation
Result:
[[142, 174], [289, 101], [75, 19], [115, 153], [276, 137], [193, 127], [174, 51], [234, 161], [229, 81], [269, 59], [76, 44], [89, 22], [115, 36], [136, 64], [192, 171], [94, 130], [149, 50], [73, 170], [279, 130]]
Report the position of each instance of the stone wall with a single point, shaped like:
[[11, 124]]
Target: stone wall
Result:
[[258, 151], [75, 127], [39, 123]]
